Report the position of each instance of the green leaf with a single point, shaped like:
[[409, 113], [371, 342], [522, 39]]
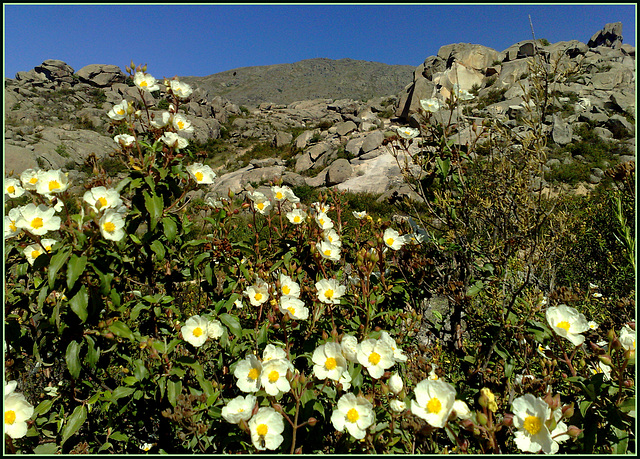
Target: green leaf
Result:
[[74, 422], [443, 165], [117, 436], [174, 388], [140, 370], [120, 329], [121, 391], [79, 303], [57, 261], [72, 358], [170, 228], [45, 449], [233, 323], [43, 407], [159, 249], [93, 353], [155, 207], [75, 268]]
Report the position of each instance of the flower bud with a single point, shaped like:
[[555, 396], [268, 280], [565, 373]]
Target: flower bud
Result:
[[507, 421], [567, 411], [628, 383], [312, 421], [395, 383], [606, 359], [482, 418], [574, 431]]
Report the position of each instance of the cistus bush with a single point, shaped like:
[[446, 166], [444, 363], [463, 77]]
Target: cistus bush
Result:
[[139, 321]]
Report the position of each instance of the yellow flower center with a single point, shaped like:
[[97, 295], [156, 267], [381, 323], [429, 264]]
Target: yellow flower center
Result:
[[327, 252], [143, 83], [120, 111], [180, 124], [102, 201], [54, 185], [532, 424], [109, 227], [199, 176], [321, 221], [9, 417], [296, 219], [262, 430], [197, 332], [260, 205], [374, 358], [37, 223], [253, 374], [273, 376], [33, 180], [390, 241], [11, 189], [353, 415], [279, 195], [35, 254], [292, 310], [12, 226], [330, 363], [328, 293], [286, 289], [564, 325], [258, 296], [434, 406]]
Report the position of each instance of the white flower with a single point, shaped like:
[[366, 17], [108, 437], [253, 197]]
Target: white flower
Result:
[[118, 111], [398, 355], [349, 345], [360, 215], [353, 413], [29, 178], [397, 405], [38, 220], [294, 307], [296, 216], [430, 105], [111, 225], [332, 237], [323, 221], [592, 325], [181, 124], [376, 356], [628, 340], [568, 323], [461, 409], [392, 239], [101, 198], [602, 368], [171, 139], [282, 193], [328, 361], [345, 380], [239, 409], [395, 383], [432, 374], [320, 207], [257, 293], [146, 446], [418, 234], [288, 286], [260, 201], [10, 228], [330, 291], [13, 187], [54, 181], [266, 428], [214, 329], [165, 117], [530, 417], [238, 303], [145, 81], [17, 411], [204, 175], [272, 352], [125, 140], [542, 350], [434, 401], [407, 132], [248, 373], [274, 376], [597, 295], [329, 251], [33, 251], [195, 330], [179, 89], [461, 94]]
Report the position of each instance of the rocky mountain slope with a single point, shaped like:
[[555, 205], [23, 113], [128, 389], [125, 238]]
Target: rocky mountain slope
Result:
[[55, 117], [308, 79]]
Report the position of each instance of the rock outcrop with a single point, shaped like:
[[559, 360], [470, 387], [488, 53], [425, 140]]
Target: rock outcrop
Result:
[[56, 117]]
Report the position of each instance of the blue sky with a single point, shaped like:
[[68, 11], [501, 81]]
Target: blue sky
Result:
[[202, 39]]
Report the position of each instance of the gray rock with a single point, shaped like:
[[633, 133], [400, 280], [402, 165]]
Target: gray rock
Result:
[[55, 70], [562, 132], [339, 171], [345, 127], [603, 133], [303, 162], [610, 35], [282, 139], [101, 75], [471, 56], [354, 145], [372, 141]]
